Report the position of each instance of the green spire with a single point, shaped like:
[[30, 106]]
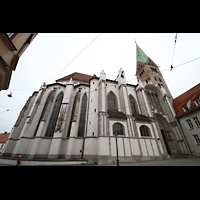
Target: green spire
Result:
[[142, 59], [141, 56]]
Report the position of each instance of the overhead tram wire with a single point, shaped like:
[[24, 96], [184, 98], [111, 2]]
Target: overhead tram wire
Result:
[[76, 56], [67, 64], [112, 85]]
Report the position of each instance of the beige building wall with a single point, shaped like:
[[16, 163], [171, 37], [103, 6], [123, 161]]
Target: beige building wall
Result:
[[12, 46]]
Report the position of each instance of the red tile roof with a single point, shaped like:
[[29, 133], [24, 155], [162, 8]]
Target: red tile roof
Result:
[[183, 99], [4, 137], [77, 77]]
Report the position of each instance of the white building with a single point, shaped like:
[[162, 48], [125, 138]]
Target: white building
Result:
[[187, 107], [79, 116]]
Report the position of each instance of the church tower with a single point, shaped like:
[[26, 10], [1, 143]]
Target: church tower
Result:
[[148, 72]]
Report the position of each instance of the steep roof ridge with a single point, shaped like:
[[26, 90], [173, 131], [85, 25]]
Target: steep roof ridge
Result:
[[188, 94]]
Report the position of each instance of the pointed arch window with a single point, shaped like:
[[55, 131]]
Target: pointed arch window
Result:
[[112, 102], [54, 116], [72, 115], [133, 104], [44, 114], [81, 127]]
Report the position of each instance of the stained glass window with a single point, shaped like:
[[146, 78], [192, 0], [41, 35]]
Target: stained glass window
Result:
[[81, 127], [54, 116], [112, 101]]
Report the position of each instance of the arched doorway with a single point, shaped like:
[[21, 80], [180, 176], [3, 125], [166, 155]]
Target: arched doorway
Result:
[[167, 135]]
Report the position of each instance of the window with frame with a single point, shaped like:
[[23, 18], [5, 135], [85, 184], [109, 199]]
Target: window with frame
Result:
[[54, 116], [72, 115], [196, 121], [197, 101], [81, 127], [185, 108], [118, 129], [145, 131], [112, 103], [190, 123], [133, 104], [196, 137], [11, 35]]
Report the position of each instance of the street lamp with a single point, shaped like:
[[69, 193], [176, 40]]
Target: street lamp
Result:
[[117, 150]]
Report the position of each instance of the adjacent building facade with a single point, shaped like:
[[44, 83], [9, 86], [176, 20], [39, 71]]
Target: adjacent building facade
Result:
[[79, 117], [3, 139], [187, 108], [12, 46]]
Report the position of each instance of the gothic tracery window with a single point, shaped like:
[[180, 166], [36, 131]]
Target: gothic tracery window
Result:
[[112, 103], [54, 116], [72, 115], [81, 127], [133, 104]]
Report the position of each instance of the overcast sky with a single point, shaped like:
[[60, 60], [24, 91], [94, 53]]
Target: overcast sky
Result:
[[49, 54]]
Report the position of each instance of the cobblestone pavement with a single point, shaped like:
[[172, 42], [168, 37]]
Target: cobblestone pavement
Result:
[[182, 161]]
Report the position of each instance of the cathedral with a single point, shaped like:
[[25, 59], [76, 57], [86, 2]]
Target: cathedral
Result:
[[92, 118]]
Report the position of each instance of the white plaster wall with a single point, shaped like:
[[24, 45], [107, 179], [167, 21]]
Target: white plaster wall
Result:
[[55, 146], [135, 147], [43, 146], [113, 146], [103, 146], [93, 104], [149, 147], [143, 146], [30, 144], [77, 146], [127, 147], [64, 147], [120, 147], [90, 147], [155, 148]]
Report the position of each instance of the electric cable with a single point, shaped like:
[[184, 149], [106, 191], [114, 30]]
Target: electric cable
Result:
[[76, 56], [172, 58], [109, 86], [126, 81]]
